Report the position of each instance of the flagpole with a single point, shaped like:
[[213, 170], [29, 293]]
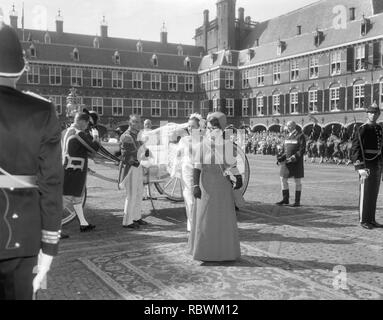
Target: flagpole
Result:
[[22, 22]]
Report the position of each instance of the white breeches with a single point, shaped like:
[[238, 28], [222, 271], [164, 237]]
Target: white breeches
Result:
[[134, 188], [285, 184], [187, 190]]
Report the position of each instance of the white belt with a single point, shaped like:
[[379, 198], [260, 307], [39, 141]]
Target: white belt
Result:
[[18, 182], [71, 165]]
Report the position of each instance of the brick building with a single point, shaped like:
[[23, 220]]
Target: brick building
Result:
[[322, 62]]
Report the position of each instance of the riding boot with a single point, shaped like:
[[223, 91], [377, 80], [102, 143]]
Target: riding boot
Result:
[[297, 202], [286, 196]]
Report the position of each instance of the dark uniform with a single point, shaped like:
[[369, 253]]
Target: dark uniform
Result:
[[366, 153]]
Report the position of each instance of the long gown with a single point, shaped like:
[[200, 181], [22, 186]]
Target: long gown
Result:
[[214, 232]]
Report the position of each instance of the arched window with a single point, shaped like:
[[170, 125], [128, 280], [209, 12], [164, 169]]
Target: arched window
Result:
[[154, 60], [180, 50], [359, 95], [116, 58], [313, 99], [229, 57], [187, 62], [294, 101], [32, 51], [276, 103], [334, 97], [260, 105], [139, 46], [47, 38], [76, 54]]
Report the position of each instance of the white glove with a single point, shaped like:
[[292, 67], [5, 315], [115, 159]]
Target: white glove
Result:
[[43, 266], [363, 173]]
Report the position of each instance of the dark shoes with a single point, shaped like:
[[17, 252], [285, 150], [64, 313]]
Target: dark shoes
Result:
[[141, 222], [133, 226], [377, 225], [87, 228], [367, 225], [286, 196]]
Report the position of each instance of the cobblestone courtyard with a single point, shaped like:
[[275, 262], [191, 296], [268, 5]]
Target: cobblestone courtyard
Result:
[[287, 253]]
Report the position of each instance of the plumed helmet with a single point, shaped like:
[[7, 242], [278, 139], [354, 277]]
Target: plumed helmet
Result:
[[94, 116], [12, 64], [221, 117], [373, 108]]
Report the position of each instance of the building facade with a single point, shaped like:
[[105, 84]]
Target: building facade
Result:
[[321, 63]]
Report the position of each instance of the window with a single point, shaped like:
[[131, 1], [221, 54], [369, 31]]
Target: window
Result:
[[76, 77], [187, 63], [202, 105], [137, 80], [55, 76], [277, 73], [260, 76], [98, 105], [173, 109], [294, 70], [33, 75], [76, 55], [204, 81], [117, 79], [155, 80], [56, 100], [229, 79], [260, 106], [180, 51], [230, 107], [32, 51], [97, 78], [314, 67], [137, 107], [313, 101], [336, 57], [334, 99], [216, 80], [245, 107], [359, 96], [360, 58], [245, 79], [215, 105], [154, 60], [276, 104], [117, 107], [188, 108], [189, 83], [173, 83], [117, 58], [294, 102], [156, 108]]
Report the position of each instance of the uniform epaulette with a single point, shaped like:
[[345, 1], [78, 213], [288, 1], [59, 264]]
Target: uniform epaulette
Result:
[[35, 95]]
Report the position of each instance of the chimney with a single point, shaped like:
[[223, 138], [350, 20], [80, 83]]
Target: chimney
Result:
[[13, 17], [104, 28], [59, 23], [206, 17], [164, 34], [241, 15]]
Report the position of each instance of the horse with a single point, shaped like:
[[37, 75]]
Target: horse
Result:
[[322, 146]]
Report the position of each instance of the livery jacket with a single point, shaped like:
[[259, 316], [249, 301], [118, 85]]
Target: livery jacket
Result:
[[295, 146], [130, 146], [77, 146], [30, 218], [371, 136]]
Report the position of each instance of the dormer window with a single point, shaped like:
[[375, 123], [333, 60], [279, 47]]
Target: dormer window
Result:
[[154, 60], [187, 63], [47, 38], [212, 57], [318, 38], [352, 14], [250, 54], [96, 43], [280, 47], [139, 46], [365, 26], [75, 55], [299, 30], [116, 58], [256, 43], [229, 57], [180, 50], [32, 51]]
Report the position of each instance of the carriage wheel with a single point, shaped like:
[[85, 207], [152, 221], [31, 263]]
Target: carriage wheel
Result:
[[69, 216], [171, 188]]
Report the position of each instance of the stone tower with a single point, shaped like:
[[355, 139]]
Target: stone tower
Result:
[[226, 24]]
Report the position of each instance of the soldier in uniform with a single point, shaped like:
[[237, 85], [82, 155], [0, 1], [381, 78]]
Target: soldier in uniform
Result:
[[78, 145], [366, 154], [291, 159], [132, 178], [30, 179]]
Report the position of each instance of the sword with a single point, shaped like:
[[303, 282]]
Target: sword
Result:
[[362, 152]]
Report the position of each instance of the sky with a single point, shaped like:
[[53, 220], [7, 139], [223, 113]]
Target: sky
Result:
[[138, 19]]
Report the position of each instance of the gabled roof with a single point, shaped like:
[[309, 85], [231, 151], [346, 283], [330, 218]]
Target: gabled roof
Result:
[[104, 57], [109, 42]]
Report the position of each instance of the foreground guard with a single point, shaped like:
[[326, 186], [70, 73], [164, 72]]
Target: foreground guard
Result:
[[366, 154], [30, 179], [291, 159]]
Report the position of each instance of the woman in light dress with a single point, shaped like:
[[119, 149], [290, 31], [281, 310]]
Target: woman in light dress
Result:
[[214, 231]]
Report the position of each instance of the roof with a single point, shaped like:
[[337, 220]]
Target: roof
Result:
[[57, 53], [109, 42]]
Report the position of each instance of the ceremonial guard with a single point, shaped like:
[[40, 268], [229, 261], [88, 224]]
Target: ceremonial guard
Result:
[[291, 159], [78, 146], [366, 154], [30, 179], [131, 173]]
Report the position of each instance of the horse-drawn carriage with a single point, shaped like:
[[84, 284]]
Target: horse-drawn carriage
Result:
[[160, 169]]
